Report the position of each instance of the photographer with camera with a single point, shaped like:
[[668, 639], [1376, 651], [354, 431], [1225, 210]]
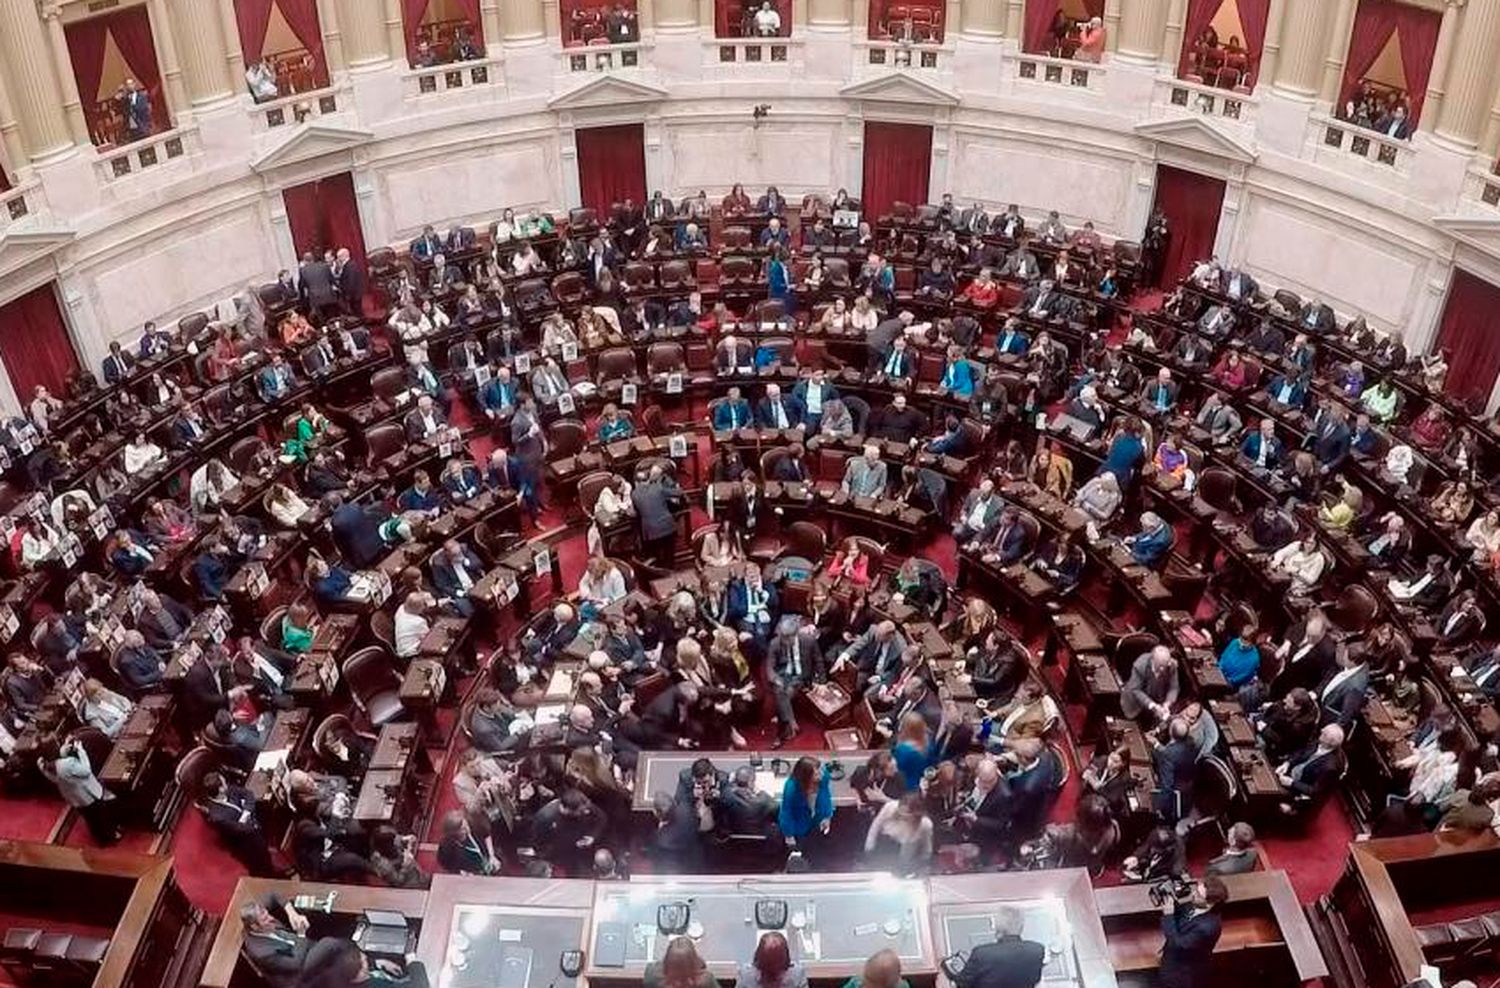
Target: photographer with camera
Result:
[[1191, 926]]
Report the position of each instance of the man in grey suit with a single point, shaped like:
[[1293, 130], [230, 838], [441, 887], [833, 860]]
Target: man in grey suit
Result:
[[980, 513], [876, 654], [656, 499], [1151, 691], [864, 476], [319, 288], [277, 950]]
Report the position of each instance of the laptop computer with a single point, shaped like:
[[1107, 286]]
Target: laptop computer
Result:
[[382, 932]]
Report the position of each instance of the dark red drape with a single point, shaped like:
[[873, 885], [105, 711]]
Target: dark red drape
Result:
[[4, 180], [302, 17], [611, 165], [253, 18], [1039, 17], [34, 344], [1192, 204], [325, 215], [1374, 23], [1470, 333], [898, 162], [1200, 14], [1253, 17], [412, 12], [86, 43], [132, 32], [729, 16]]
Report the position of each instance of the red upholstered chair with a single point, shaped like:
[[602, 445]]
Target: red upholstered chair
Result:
[[665, 358], [768, 310], [566, 437], [736, 238], [569, 288], [532, 295], [388, 382], [384, 441], [640, 277], [374, 685], [739, 271], [836, 272], [677, 275], [582, 222], [242, 452], [615, 367], [707, 274]]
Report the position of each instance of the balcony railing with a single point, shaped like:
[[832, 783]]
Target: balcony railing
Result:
[[149, 154], [1480, 185], [1194, 97], [481, 73], [754, 51], [288, 111], [904, 55], [604, 58], [1065, 73], [17, 204], [1339, 137]]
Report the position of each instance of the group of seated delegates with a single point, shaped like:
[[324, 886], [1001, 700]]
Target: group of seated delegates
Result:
[[462, 48], [278, 942], [1379, 109]]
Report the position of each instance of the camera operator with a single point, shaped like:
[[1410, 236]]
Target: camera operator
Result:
[[1191, 926]]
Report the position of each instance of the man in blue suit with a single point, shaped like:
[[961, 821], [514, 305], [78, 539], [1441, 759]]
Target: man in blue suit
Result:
[[1261, 447], [1007, 543], [498, 396], [1288, 391], [356, 531], [1012, 339], [1151, 546], [813, 393], [731, 413], [427, 246], [1329, 439]]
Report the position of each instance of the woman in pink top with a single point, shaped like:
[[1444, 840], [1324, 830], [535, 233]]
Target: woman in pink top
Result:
[[850, 563], [1091, 43]]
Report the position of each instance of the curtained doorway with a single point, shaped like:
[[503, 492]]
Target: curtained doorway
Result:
[[1192, 204], [35, 344], [898, 166], [1470, 335], [611, 166], [324, 216]]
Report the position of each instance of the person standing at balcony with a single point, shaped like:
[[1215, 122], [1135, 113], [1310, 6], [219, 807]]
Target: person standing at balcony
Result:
[[1394, 124], [135, 107], [1091, 41], [767, 21], [261, 79]]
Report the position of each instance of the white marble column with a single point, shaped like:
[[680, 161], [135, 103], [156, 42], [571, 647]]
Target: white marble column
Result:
[[1015, 21], [489, 15], [362, 23], [395, 30], [234, 53], [1442, 65], [1270, 49], [1304, 32], [10, 135], [675, 15], [1470, 86], [1338, 50], [828, 13], [332, 26], [196, 25], [178, 107], [1489, 145], [1112, 17], [1171, 43], [983, 18], [62, 64], [1143, 26], [525, 20], [34, 82]]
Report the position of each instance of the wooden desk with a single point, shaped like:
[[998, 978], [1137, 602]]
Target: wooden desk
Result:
[[288, 732], [1262, 912], [545, 917], [657, 772], [348, 904]]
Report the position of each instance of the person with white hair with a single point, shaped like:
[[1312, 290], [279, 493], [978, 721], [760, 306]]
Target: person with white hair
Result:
[[1153, 544], [1007, 962], [1091, 41], [411, 624]]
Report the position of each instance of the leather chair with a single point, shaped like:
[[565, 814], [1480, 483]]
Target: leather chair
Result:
[[191, 325], [784, 349], [639, 277], [1218, 488], [768, 310], [270, 627], [242, 452], [590, 486], [384, 441], [387, 383], [1289, 300], [374, 685], [901, 212], [677, 275], [324, 733], [836, 272], [665, 358], [1352, 612], [491, 545], [582, 222], [876, 553], [192, 767], [805, 540], [532, 296], [566, 437], [1129, 647], [859, 411], [569, 288], [736, 238], [739, 271], [615, 366], [383, 627]]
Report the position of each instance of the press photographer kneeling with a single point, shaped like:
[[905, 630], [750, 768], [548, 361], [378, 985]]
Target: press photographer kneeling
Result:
[[1191, 928]]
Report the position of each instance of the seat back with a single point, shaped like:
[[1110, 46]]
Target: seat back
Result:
[[735, 238], [665, 358], [331, 726], [569, 287], [384, 441], [192, 767], [805, 540], [369, 673], [738, 270], [640, 276], [270, 627], [590, 486], [388, 382], [243, 452], [616, 363], [676, 273], [566, 437], [859, 411]]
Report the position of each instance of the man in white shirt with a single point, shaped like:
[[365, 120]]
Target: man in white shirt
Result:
[[767, 21], [261, 79], [43, 407], [412, 624]]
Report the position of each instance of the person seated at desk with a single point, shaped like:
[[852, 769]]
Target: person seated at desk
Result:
[[1483, 537], [1261, 447], [778, 412], [1461, 620], [850, 562], [277, 946], [426, 422], [1217, 323], [1312, 772], [983, 292], [1382, 401], [865, 475], [1007, 542], [952, 441], [1426, 590], [129, 558], [1340, 515], [1099, 498], [601, 583], [936, 281], [774, 235], [285, 506], [1043, 301], [1170, 464], [141, 455], [213, 567], [422, 497], [118, 364], [1303, 562], [1471, 811], [454, 573], [1363, 440], [897, 366], [461, 481], [1239, 661], [979, 514], [1152, 545], [1160, 856], [613, 425], [1288, 391], [411, 624], [1218, 419], [1452, 504], [732, 413], [1430, 431]]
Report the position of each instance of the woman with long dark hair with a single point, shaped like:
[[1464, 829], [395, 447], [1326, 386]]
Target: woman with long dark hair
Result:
[[772, 966]]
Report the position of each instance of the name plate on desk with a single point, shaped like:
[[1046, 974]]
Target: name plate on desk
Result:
[[9, 623], [541, 562], [677, 447], [674, 383], [629, 394]]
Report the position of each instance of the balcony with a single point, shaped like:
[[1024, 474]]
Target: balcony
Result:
[[17, 204], [1481, 186], [753, 51], [1334, 139], [288, 111], [1060, 73], [479, 74], [603, 58], [151, 154], [1175, 97], [881, 55]]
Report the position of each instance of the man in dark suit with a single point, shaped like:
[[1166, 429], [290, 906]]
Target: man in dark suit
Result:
[[743, 809], [118, 364], [1329, 437], [163, 621], [1312, 772], [1175, 763], [454, 573], [140, 666], [876, 653], [979, 515], [791, 468], [1160, 396], [1007, 541], [318, 287], [427, 246], [1238, 285], [1261, 447], [350, 280], [276, 949], [230, 810], [211, 569], [489, 724], [1152, 688], [777, 411], [1342, 694], [656, 499], [356, 531], [1191, 929], [898, 422], [668, 721], [1461, 621], [983, 816], [795, 661], [1009, 962], [1309, 657], [425, 421], [1484, 670], [205, 688]]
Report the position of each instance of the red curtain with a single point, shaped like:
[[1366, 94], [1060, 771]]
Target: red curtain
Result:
[[1200, 14], [86, 42], [1374, 23], [254, 19], [898, 160], [611, 165], [1039, 17], [4, 180], [1192, 204], [34, 344], [729, 16], [325, 215], [1254, 14], [412, 12], [1470, 334], [132, 31]]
